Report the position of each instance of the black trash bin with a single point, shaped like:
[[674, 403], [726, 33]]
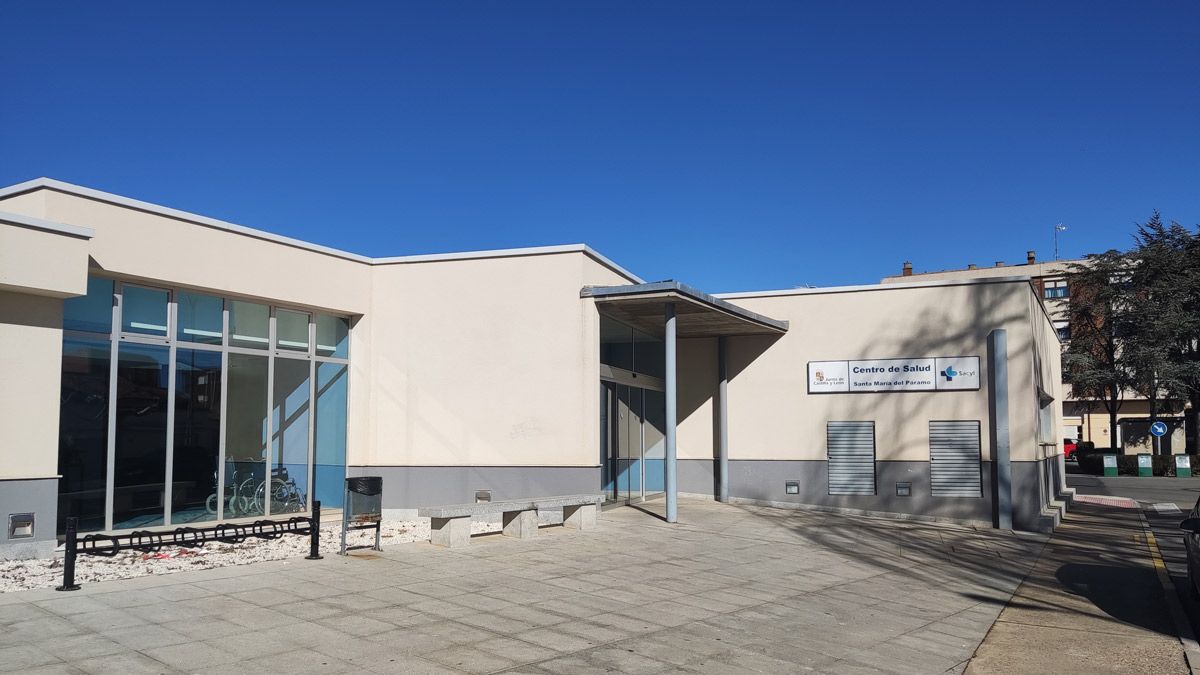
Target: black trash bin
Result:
[[363, 507]]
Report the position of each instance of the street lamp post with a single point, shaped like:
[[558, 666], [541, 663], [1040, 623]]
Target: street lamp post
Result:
[[1058, 228]]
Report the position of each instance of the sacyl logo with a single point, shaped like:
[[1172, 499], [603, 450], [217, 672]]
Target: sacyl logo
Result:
[[949, 373]]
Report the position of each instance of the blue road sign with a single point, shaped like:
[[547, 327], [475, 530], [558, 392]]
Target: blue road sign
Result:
[[1159, 429]]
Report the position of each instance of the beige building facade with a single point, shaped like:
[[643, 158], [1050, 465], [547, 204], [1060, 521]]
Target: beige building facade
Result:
[[151, 390]]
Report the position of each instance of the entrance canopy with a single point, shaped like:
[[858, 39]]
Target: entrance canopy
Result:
[[697, 314]]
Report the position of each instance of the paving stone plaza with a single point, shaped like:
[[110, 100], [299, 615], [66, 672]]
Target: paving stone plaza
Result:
[[729, 589]]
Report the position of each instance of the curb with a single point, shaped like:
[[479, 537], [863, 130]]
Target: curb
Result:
[[1183, 627]]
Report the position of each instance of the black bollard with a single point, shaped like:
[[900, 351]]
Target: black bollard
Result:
[[314, 531], [69, 557]]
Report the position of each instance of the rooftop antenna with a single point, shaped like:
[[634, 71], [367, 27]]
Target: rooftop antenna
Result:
[[1058, 228]]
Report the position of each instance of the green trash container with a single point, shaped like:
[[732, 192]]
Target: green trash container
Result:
[[1110, 465], [1145, 465], [1183, 466]]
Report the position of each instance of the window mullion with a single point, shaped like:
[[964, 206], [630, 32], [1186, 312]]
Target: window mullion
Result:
[[172, 369], [220, 487], [270, 448], [110, 462]]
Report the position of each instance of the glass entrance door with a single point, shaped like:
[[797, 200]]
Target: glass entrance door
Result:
[[631, 441]]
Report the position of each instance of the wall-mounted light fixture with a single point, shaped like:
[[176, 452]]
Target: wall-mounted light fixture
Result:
[[20, 525]]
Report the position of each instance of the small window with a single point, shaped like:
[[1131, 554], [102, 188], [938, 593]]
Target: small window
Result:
[[199, 318], [1045, 421], [1063, 328], [144, 310], [291, 330], [333, 336], [249, 324], [91, 312], [1056, 289]]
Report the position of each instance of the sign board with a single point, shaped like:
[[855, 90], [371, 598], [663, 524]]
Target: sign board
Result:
[[943, 373], [828, 377], [1145, 465], [1159, 429], [1110, 465], [1183, 466]]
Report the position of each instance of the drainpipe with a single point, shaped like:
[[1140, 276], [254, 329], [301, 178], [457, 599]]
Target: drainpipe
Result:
[[998, 407], [723, 418]]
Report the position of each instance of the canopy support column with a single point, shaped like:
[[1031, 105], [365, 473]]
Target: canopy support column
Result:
[[672, 475]]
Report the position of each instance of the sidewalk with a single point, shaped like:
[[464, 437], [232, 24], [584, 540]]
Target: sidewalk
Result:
[[729, 589], [1093, 603]]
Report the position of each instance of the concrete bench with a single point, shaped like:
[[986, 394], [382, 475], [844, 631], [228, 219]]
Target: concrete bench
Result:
[[451, 525]]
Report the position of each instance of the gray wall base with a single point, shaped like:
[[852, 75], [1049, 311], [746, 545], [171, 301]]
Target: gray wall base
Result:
[[1037, 496], [850, 512], [408, 487], [38, 496], [762, 482], [1037, 504]]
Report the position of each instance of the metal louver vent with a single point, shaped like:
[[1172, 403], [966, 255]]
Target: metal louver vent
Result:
[[851, 450], [954, 459]]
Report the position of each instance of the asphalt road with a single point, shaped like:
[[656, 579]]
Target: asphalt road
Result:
[[1164, 522]]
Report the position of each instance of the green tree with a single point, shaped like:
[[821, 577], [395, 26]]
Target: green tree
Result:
[[1189, 353], [1095, 363], [1157, 337]]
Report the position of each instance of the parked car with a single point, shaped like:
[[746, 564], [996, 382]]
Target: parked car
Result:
[[1191, 542], [1069, 445]]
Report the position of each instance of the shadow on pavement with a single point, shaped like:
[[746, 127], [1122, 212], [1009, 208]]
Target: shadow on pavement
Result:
[[1118, 591]]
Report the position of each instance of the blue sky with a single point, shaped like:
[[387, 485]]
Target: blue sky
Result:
[[733, 146]]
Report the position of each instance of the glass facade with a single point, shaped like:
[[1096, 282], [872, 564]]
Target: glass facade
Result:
[[245, 434], [329, 432], [629, 349], [83, 430], [197, 442], [140, 446], [632, 413], [181, 407]]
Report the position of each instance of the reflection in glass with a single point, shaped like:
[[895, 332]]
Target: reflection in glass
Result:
[[291, 330], [633, 447], [288, 490], [135, 445], [141, 435], [245, 434], [91, 312], [606, 469], [200, 318], [616, 344], [628, 441], [654, 437], [83, 432], [249, 324], [333, 337], [197, 442], [329, 434], [144, 310], [649, 355]]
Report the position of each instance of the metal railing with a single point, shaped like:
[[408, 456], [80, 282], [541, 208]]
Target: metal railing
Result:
[[148, 541]]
